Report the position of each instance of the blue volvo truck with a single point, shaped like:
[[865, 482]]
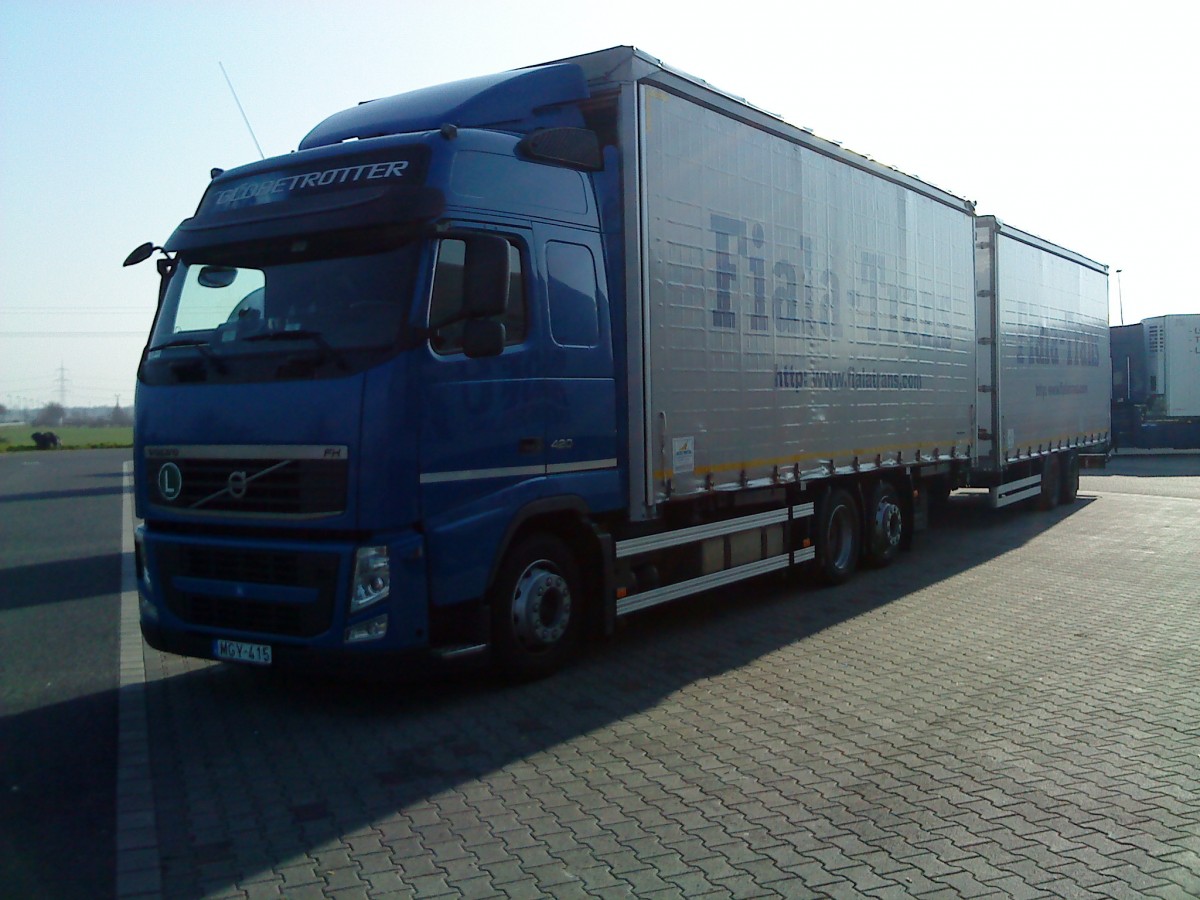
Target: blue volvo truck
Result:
[[482, 367]]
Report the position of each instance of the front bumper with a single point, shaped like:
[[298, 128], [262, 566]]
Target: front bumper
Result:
[[289, 594], [351, 660]]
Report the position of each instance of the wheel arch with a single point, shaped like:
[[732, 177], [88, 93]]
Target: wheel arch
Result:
[[569, 519]]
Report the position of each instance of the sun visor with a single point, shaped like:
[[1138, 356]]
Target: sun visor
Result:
[[353, 208]]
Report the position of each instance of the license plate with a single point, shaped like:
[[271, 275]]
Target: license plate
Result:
[[237, 651]]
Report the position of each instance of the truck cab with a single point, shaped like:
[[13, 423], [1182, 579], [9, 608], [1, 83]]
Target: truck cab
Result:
[[378, 365]]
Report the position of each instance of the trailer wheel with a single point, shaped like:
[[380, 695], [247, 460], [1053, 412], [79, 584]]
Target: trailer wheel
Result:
[[1051, 470], [838, 537], [1069, 489], [537, 608], [885, 529]]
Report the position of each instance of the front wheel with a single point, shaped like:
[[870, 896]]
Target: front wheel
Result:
[[537, 607], [838, 537]]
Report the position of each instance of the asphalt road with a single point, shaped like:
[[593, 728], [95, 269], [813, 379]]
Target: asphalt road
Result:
[[60, 572]]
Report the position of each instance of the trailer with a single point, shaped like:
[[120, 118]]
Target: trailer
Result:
[[1044, 365], [485, 366], [1173, 361]]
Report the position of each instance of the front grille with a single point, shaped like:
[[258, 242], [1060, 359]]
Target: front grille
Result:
[[278, 487], [281, 568]]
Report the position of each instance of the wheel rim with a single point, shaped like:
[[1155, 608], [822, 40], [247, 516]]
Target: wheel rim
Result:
[[889, 523], [541, 606]]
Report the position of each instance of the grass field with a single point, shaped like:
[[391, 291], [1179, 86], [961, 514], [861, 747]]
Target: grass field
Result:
[[73, 437]]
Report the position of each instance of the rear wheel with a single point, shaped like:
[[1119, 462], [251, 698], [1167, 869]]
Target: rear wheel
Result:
[[838, 535], [1051, 480], [1069, 489], [537, 607], [886, 526]]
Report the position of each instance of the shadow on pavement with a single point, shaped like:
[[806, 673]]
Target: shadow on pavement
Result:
[[63, 495], [43, 584], [56, 799], [254, 771]]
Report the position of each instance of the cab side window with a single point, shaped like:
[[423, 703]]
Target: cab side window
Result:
[[574, 313], [446, 317]]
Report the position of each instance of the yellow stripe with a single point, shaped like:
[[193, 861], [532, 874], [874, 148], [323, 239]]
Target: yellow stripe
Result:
[[885, 452], [891, 451]]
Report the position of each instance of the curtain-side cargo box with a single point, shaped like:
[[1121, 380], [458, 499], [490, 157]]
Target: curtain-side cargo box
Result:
[[802, 309], [1044, 366]]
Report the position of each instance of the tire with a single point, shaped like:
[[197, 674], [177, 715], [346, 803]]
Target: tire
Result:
[[885, 526], [1051, 481], [536, 607], [1069, 489], [838, 537]]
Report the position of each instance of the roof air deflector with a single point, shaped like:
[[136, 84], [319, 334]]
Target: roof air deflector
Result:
[[512, 99]]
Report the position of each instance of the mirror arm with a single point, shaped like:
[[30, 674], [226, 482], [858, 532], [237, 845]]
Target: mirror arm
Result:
[[166, 268]]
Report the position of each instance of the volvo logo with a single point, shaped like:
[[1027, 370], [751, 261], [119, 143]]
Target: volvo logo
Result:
[[237, 485], [170, 481]]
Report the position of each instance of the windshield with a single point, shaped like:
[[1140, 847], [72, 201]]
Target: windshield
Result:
[[325, 301]]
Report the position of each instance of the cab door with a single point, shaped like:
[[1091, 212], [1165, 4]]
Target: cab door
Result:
[[581, 415], [482, 423]]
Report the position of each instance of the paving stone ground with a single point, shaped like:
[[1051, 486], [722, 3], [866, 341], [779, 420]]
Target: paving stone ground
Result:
[[1011, 711]]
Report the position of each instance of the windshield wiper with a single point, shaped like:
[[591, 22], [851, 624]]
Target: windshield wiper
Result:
[[303, 334], [182, 342], [203, 346]]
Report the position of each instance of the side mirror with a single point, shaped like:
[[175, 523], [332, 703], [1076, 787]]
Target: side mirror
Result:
[[485, 276], [483, 337], [140, 254]]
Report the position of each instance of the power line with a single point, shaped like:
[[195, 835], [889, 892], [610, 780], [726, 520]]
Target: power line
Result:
[[78, 309], [46, 334]]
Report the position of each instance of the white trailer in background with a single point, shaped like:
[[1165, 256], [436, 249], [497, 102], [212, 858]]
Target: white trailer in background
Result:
[[1173, 361]]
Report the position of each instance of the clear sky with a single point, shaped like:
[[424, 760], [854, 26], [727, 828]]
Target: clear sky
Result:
[[1074, 120]]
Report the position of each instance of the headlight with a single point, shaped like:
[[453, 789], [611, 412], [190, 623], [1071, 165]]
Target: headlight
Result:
[[372, 578]]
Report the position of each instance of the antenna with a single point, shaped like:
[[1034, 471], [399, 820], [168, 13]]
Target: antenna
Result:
[[261, 155]]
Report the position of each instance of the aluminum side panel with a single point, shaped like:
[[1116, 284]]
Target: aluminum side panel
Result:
[[1055, 369], [802, 312], [1183, 365]]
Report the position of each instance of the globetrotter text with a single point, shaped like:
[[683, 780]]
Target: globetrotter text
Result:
[[265, 189]]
